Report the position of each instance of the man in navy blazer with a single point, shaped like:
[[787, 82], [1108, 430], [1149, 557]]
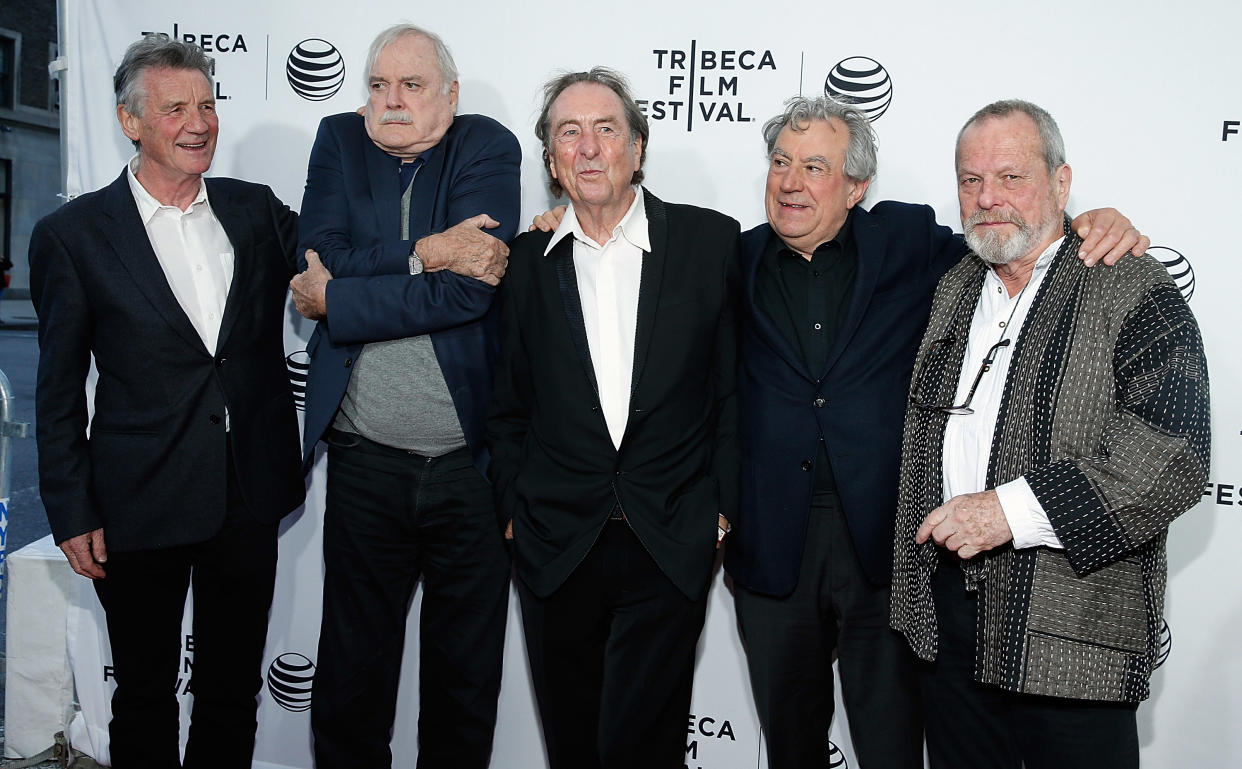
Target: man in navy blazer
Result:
[[401, 275], [835, 299], [176, 285]]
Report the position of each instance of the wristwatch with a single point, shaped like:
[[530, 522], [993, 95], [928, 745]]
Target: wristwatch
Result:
[[416, 263]]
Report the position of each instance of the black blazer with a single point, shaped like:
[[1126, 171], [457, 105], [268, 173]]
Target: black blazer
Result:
[[557, 474], [152, 472], [857, 403]]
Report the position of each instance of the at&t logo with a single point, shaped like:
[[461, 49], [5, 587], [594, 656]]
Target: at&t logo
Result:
[[315, 69], [863, 82], [1179, 269], [289, 680]]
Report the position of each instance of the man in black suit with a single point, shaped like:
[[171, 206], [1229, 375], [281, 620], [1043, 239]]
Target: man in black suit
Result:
[[835, 301], [613, 434], [176, 285]]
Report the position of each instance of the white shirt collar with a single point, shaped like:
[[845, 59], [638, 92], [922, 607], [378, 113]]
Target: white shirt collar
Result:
[[147, 204], [632, 227]]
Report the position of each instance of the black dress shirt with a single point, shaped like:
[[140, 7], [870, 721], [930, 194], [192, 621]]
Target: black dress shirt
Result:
[[808, 300]]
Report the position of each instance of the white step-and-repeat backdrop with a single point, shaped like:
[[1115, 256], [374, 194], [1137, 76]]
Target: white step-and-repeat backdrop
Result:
[[1147, 95]]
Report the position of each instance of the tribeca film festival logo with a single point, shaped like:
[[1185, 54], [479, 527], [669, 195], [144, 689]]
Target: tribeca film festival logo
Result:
[[298, 363], [185, 676], [863, 82], [214, 43], [1179, 269], [710, 731], [289, 680], [315, 69], [703, 84]]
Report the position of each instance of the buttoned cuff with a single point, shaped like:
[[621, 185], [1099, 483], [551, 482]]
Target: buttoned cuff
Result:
[[1025, 516]]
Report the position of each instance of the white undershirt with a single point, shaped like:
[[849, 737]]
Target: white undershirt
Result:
[[194, 252], [608, 278], [968, 437]]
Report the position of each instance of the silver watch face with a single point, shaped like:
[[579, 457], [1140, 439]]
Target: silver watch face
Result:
[[416, 264]]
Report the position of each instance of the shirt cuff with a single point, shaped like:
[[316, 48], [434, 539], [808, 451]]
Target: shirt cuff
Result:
[[1025, 516]]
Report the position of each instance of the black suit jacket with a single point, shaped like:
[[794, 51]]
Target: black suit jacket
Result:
[[556, 472], [857, 403], [152, 472]]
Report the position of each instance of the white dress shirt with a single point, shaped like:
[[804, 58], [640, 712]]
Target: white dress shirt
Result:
[[968, 437], [608, 278], [194, 252]]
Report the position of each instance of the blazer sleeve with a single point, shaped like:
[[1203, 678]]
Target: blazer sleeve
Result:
[[727, 452], [325, 219], [65, 328], [1155, 449], [372, 297], [508, 417]]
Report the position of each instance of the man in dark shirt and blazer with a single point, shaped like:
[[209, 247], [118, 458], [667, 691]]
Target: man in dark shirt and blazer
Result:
[[835, 299]]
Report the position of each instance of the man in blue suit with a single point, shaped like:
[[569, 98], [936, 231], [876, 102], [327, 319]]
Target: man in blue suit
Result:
[[397, 200], [835, 301]]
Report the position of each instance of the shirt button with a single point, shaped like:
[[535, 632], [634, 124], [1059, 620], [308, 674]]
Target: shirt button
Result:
[[818, 327], [819, 403], [806, 465], [1002, 324], [198, 268]]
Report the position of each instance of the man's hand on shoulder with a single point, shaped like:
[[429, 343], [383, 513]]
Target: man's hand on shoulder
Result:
[[1107, 236], [548, 220], [310, 288], [466, 250], [87, 553]]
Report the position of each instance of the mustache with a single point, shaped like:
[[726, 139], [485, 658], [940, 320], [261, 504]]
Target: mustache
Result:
[[396, 116], [990, 217]]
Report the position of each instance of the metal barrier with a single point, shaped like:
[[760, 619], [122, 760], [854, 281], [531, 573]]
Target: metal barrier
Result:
[[8, 431]]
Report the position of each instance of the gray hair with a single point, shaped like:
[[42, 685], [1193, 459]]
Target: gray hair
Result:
[[608, 78], [1049, 133], [448, 69], [155, 51], [800, 112]]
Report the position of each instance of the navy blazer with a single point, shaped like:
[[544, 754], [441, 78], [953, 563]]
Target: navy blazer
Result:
[[152, 473], [857, 403], [351, 216]]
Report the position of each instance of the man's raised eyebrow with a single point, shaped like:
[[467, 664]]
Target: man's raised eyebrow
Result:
[[820, 159]]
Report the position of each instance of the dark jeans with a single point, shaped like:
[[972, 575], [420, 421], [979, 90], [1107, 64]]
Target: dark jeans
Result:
[[979, 726], [144, 593], [790, 645], [612, 659], [393, 517]]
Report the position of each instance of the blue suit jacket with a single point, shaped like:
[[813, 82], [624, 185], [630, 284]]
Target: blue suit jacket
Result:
[[857, 403], [351, 217]]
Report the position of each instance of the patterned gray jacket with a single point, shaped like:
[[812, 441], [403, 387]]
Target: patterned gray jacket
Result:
[[1105, 413]]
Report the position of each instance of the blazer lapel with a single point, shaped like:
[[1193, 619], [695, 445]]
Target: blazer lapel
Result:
[[383, 181], [649, 282], [562, 256], [754, 242], [872, 246], [129, 240], [232, 218]]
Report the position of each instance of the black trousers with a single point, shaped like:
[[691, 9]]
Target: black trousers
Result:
[[979, 726], [612, 659], [143, 595], [790, 645], [393, 517]]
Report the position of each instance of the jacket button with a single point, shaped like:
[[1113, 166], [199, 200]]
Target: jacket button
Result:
[[349, 362], [220, 361], [819, 403], [214, 419], [806, 465]]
